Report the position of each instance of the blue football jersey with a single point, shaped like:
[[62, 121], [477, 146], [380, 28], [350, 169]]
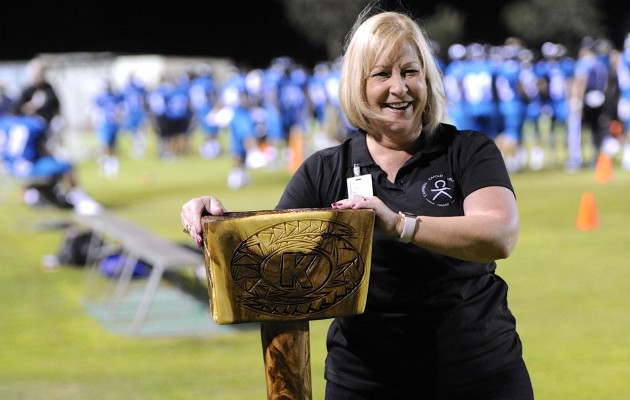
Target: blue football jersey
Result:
[[20, 142]]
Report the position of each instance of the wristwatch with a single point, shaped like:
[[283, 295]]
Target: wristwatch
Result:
[[409, 226]]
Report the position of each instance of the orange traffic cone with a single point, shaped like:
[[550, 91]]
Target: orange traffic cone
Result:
[[587, 214], [296, 150], [603, 168]]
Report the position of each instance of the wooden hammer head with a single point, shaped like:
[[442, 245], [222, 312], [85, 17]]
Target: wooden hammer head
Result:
[[288, 265]]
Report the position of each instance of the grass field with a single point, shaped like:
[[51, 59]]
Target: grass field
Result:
[[568, 290]]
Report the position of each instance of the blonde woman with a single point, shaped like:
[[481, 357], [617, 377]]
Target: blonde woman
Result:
[[436, 324]]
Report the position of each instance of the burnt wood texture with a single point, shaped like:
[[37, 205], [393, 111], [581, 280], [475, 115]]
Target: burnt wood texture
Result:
[[282, 269]]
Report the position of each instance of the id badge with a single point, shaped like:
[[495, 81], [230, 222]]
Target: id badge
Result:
[[360, 186]]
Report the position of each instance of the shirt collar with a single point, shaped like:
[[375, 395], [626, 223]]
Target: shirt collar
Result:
[[431, 143]]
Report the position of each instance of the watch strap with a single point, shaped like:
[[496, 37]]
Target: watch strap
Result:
[[409, 228]]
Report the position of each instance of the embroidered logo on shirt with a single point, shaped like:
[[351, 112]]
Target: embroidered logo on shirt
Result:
[[439, 190]]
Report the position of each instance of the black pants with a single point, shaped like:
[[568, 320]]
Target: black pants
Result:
[[597, 121], [509, 383]]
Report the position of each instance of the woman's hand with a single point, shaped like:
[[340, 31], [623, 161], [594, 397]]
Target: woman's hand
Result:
[[386, 219], [487, 231], [192, 212]]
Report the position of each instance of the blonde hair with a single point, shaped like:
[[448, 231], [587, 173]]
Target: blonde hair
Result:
[[381, 34]]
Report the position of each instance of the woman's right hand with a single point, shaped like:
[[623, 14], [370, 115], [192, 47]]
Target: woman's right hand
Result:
[[386, 219], [194, 209]]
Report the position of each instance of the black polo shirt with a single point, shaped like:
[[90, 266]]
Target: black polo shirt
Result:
[[428, 316]]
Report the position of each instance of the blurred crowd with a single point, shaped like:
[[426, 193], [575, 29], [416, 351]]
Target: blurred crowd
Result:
[[259, 109], [537, 104], [499, 90]]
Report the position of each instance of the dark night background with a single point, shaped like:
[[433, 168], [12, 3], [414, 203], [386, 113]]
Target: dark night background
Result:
[[250, 32]]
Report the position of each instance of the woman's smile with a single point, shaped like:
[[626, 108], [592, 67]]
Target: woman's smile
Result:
[[397, 106]]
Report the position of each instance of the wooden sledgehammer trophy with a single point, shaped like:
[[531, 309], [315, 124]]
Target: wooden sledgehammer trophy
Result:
[[282, 269]]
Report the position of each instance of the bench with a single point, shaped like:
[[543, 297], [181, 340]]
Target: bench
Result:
[[136, 243]]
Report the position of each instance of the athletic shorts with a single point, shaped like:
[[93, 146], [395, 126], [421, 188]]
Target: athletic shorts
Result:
[[49, 166]]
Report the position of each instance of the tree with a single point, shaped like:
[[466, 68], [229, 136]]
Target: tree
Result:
[[445, 26], [563, 21], [324, 22]]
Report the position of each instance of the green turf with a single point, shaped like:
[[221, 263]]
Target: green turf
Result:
[[568, 289]]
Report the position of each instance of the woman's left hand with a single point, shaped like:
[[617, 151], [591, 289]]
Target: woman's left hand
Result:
[[386, 219]]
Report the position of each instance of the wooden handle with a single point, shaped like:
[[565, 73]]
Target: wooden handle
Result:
[[287, 357]]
